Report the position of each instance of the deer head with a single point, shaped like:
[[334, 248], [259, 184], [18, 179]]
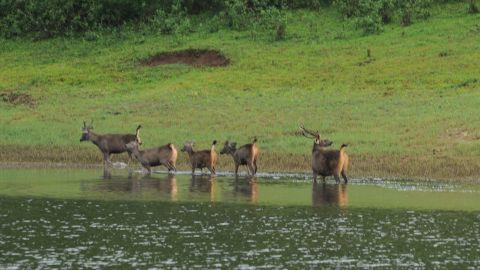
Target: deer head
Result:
[[229, 148], [86, 131], [188, 147], [318, 141], [132, 146]]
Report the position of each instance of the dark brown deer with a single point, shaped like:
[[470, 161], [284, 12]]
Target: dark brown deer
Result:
[[164, 155], [326, 162], [245, 155], [201, 159], [109, 143]]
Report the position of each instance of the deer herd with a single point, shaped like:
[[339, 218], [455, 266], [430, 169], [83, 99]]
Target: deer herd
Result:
[[325, 162]]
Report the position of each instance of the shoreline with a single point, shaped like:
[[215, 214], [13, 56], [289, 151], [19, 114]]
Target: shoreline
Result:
[[273, 175]]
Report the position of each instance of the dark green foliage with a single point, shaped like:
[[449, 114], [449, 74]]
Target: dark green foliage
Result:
[[47, 18], [175, 21], [473, 7], [371, 15]]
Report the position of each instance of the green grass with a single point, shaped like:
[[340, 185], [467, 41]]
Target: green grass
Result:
[[409, 112]]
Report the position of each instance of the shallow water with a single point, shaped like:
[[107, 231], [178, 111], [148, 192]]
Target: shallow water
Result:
[[77, 219]]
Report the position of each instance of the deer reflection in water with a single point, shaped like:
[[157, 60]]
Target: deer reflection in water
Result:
[[324, 194], [247, 187], [139, 183], [204, 184]]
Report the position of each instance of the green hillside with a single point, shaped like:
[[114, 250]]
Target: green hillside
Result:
[[406, 100]]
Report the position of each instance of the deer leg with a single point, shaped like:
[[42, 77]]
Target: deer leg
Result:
[[344, 176], [167, 165], [211, 169], [236, 169], [315, 177], [250, 169], [337, 178], [106, 173], [173, 166], [129, 159], [255, 165], [106, 159]]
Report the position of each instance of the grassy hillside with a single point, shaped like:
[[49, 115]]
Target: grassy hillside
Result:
[[410, 109]]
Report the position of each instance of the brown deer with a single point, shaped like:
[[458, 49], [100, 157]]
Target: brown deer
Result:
[[326, 162], [109, 143], [245, 155], [201, 159], [164, 155]]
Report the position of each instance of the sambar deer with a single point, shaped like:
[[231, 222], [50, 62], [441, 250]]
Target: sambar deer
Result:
[[326, 162], [245, 155], [164, 155], [109, 143], [201, 159]]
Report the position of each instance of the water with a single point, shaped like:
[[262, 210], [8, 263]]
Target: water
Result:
[[76, 219]]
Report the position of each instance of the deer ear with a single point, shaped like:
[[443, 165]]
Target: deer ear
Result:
[[233, 144]]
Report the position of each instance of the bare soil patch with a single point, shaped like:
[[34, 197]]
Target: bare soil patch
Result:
[[192, 57], [17, 98]]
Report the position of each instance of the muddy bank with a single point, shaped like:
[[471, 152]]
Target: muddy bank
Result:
[[192, 57]]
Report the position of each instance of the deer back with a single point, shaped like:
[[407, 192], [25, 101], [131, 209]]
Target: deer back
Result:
[[202, 157], [115, 143]]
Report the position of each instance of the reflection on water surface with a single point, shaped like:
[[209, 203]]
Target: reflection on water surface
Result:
[[77, 219]]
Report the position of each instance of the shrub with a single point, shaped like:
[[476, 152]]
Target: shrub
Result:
[[175, 21], [473, 7], [274, 19], [371, 15], [237, 15]]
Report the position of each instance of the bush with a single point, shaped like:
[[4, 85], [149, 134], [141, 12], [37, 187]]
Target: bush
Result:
[[174, 22], [410, 9], [473, 7], [48, 18], [368, 15], [371, 15], [275, 20], [237, 15]]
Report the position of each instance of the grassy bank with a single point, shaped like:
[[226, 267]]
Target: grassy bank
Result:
[[410, 109]]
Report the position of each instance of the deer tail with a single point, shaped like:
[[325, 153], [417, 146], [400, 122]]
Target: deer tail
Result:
[[213, 145], [137, 134], [343, 147], [254, 140]]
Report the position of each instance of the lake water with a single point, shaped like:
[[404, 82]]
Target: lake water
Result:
[[59, 218]]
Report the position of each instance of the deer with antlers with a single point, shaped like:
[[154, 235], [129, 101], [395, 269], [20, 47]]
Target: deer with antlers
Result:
[[326, 162], [109, 143]]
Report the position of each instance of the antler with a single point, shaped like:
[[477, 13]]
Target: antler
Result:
[[308, 133]]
